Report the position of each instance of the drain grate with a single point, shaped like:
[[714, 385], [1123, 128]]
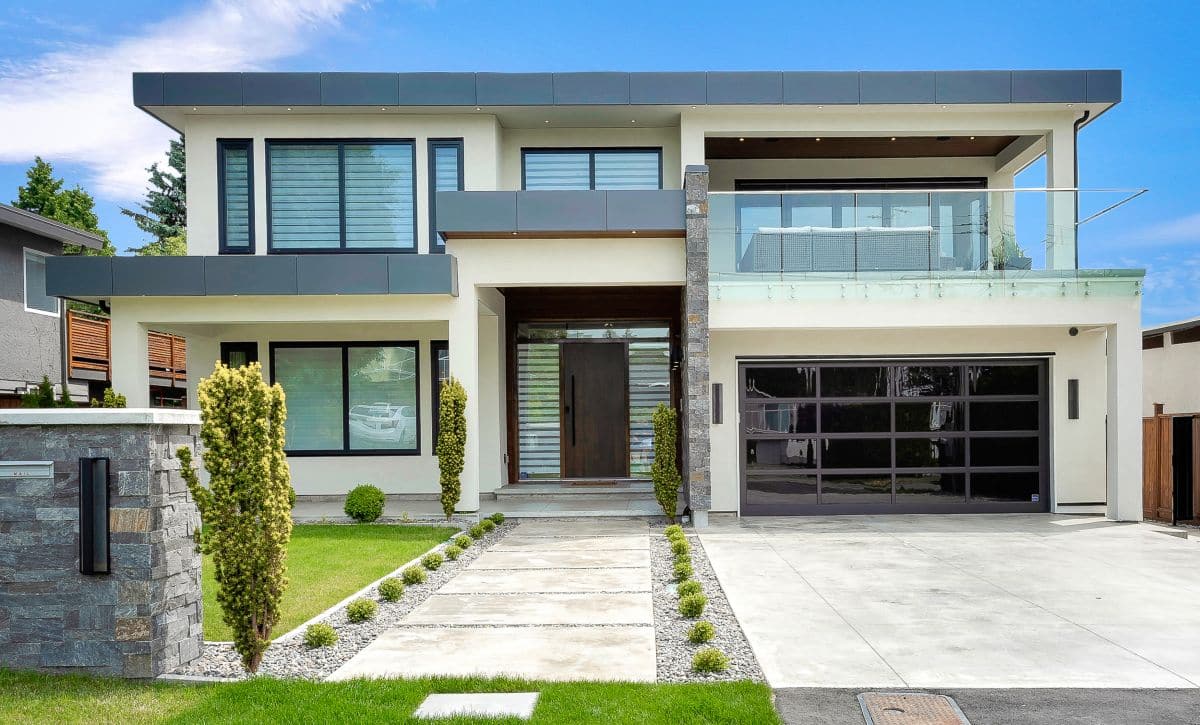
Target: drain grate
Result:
[[910, 708]]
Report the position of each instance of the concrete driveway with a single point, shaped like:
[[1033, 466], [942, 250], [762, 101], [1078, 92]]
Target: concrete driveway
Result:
[[984, 601]]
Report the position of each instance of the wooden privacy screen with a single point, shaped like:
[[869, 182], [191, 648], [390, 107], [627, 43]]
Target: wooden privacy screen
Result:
[[1159, 464], [89, 350]]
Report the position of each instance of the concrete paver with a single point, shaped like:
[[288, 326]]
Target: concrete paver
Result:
[[563, 559], [575, 608], [495, 581]]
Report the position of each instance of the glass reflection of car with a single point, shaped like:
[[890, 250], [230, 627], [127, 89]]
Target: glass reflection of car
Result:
[[384, 422]]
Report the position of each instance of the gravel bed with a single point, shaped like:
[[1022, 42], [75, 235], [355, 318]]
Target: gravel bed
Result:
[[674, 651], [289, 657]]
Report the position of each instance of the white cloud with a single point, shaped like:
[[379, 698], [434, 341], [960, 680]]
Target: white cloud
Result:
[[1172, 288], [75, 105], [1182, 230]]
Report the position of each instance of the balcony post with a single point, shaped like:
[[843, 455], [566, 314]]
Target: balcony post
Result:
[[696, 403], [1060, 205]]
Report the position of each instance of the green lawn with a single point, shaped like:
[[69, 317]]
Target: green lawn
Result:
[[327, 563], [30, 698]]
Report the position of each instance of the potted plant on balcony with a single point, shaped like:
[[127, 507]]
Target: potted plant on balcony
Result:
[[1007, 254]]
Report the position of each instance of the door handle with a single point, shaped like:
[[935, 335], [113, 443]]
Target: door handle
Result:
[[572, 409]]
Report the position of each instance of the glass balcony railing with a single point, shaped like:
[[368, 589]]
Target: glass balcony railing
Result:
[[895, 233]]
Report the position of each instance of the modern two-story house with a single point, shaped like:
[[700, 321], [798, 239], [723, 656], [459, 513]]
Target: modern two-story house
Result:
[[830, 274]]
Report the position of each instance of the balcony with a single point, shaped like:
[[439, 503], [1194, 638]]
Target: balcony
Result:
[[89, 352], [941, 236]]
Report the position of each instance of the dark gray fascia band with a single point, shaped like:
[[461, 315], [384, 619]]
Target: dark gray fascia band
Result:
[[621, 212]]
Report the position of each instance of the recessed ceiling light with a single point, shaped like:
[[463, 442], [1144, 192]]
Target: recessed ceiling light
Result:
[[944, 107], [819, 107], [635, 231], [741, 139], [477, 108], [193, 108], [289, 108], [972, 138], [818, 138], [383, 109], [893, 138], [633, 120], [1070, 105], [693, 108], [514, 234], [546, 121]]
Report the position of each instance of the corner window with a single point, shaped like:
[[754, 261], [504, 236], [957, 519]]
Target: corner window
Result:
[[326, 196], [349, 399], [445, 174], [235, 196], [582, 169], [439, 351], [36, 299]]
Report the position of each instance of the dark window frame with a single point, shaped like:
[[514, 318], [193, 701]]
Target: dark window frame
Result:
[[591, 151], [222, 145], [1185, 336], [436, 385], [436, 245], [341, 144], [345, 450], [248, 347]]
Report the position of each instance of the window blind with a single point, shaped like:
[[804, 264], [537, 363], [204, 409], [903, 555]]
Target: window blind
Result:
[[236, 196], [305, 199]]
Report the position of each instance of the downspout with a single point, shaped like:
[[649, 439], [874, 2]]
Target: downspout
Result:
[[1079, 123], [63, 345]]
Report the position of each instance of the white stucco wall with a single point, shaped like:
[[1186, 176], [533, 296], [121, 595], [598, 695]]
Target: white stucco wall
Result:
[[1172, 377]]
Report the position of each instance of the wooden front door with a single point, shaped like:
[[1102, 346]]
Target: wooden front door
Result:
[[595, 410], [1157, 478]]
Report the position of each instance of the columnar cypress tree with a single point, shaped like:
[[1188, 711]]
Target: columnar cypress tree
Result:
[[451, 442], [245, 508], [664, 471]]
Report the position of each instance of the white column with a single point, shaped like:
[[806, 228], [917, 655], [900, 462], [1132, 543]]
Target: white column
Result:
[[202, 354], [464, 365], [130, 359], [1060, 205], [1124, 421]]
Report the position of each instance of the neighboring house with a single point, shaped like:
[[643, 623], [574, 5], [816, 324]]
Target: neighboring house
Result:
[[829, 274], [31, 329], [1171, 367]]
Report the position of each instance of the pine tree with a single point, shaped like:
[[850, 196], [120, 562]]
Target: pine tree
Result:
[[43, 194], [163, 214]]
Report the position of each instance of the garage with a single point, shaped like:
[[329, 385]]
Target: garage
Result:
[[860, 436]]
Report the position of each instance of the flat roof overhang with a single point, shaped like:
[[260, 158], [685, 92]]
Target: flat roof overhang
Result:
[[169, 96], [555, 214], [96, 278]]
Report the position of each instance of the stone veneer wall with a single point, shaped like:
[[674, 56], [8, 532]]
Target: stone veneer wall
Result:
[[696, 400], [143, 618]]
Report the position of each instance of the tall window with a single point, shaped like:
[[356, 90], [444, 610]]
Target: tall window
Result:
[[351, 196], [36, 299], [445, 174], [235, 192], [582, 169], [439, 350], [353, 398]]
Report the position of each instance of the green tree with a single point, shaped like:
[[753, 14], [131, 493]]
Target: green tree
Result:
[[43, 194], [247, 519], [664, 472], [163, 214], [451, 442]]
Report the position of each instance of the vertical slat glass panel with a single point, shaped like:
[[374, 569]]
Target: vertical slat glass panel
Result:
[[236, 201], [546, 171], [379, 195], [538, 406], [649, 385], [627, 170], [383, 397], [311, 378], [447, 175], [305, 200]]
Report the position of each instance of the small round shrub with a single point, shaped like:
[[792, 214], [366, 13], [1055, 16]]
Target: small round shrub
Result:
[[364, 503], [432, 561], [291, 497], [320, 635], [391, 589], [413, 575], [701, 632], [691, 586], [463, 541], [361, 610], [496, 518], [682, 570], [709, 659], [477, 531], [692, 606], [680, 547], [453, 552], [488, 525], [673, 531]]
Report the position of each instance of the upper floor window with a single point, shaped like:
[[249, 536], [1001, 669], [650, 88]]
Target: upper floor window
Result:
[[36, 299], [445, 174], [582, 169], [235, 196], [341, 196]]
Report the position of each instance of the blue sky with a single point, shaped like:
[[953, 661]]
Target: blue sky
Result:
[[64, 79]]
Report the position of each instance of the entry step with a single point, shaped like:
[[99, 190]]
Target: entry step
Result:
[[583, 489]]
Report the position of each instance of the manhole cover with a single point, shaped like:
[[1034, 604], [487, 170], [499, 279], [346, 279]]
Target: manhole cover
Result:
[[910, 708]]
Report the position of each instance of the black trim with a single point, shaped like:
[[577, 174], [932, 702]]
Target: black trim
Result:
[[1081, 503], [249, 348], [345, 351], [435, 386], [436, 244], [591, 151], [341, 144], [222, 145]]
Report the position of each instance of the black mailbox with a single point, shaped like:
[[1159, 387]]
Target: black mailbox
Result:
[[93, 516]]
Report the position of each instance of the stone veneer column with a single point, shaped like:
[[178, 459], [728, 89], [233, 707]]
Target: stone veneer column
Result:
[[143, 618], [696, 403]]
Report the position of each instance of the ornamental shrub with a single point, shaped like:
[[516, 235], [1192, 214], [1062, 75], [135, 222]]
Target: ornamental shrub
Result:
[[674, 531], [320, 635], [413, 575], [496, 518], [432, 561], [487, 525], [680, 547], [709, 659], [364, 503], [682, 570], [690, 586], [664, 471], [391, 589], [247, 521], [452, 442], [477, 531], [692, 605], [42, 396], [453, 552], [701, 632], [463, 541], [361, 610]]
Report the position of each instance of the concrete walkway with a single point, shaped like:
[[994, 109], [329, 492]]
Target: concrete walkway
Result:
[[962, 601], [554, 600]]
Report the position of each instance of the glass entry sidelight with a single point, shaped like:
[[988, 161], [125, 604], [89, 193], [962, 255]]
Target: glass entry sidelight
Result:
[[585, 392]]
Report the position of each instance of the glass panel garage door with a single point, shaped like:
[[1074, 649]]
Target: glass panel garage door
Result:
[[894, 436]]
